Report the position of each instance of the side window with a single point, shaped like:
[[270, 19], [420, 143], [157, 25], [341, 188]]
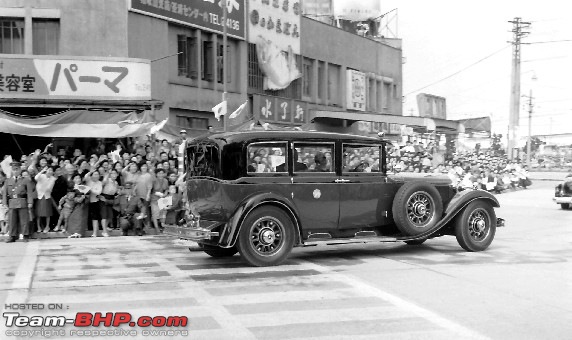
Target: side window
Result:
[[314, 157], [267, 157], [361, 158]]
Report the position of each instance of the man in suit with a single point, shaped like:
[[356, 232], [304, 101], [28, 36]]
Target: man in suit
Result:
[[17, 195], [298, 166], [132, 210]]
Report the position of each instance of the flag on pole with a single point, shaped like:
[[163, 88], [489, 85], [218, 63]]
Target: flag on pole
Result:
[[158, 126], [219, 110], [238, 111]]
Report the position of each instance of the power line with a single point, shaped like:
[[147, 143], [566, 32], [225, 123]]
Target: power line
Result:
[[454, 74], [547, 42]]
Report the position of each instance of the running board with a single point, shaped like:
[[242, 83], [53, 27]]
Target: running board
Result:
[[331, 241]]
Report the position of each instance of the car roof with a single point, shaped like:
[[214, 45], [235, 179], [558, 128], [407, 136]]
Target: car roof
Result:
[[233, 137]]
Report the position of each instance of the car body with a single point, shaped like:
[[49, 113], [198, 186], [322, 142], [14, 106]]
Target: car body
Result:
[[261, 193], [563, 193]]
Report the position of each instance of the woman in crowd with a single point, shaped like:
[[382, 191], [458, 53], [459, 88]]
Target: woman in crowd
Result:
[[110, 188], [159, 190], [45, 181], [80, 213], [92, 180]]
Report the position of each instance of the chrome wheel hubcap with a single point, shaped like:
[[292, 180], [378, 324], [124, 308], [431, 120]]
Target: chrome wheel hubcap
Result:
[[420, 209], [267, 236], [479, 227]]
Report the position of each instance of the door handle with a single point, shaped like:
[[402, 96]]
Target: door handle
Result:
[[342, 180]]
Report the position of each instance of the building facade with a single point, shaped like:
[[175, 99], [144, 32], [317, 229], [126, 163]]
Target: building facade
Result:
[[342, 75]]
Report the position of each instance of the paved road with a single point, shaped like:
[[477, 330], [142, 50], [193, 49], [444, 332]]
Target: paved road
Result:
[[519, 289]]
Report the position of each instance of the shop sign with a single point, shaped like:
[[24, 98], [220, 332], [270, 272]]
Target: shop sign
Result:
[[205, 14], [356, 90], [75, 78], [280, 110], [371, 128], [431, 106], [277, 21]]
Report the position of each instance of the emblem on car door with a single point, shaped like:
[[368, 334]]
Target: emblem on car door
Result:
[[317, 193]]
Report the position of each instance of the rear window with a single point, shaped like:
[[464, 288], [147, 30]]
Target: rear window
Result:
[[269, 157], [203, 160]]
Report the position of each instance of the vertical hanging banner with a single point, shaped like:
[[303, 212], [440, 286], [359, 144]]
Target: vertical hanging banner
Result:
[[274, 26], [277, 21]]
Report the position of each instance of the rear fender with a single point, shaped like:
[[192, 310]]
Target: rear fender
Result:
[[230, 231], [457, 203]]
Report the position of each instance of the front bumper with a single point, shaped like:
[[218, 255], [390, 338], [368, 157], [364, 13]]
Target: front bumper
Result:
[[562, 200], [190, 233]]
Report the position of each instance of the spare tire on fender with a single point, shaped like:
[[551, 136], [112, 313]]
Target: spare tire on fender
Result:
[[417, 207]]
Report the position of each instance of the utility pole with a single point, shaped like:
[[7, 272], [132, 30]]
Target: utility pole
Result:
[[529, 143], [518, 30], [224, 63]]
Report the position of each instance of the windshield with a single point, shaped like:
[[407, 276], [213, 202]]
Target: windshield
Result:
[[203, 159]]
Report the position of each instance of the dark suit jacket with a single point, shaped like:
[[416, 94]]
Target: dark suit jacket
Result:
[[297, 167]]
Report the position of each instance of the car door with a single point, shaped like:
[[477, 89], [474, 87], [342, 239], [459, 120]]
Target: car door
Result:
[[315, 191], [366, 197]]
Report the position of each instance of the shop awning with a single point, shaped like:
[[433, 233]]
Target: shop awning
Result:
[[369, 117], [80, 124], [418, 123]]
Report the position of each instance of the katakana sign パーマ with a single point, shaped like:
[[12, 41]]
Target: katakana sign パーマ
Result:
[[205, 14], [75, 77]]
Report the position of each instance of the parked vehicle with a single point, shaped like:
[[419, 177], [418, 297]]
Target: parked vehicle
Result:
[[563, 193], [261, 193]]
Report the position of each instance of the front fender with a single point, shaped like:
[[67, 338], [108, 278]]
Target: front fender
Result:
[[456, 204], [230, 231]]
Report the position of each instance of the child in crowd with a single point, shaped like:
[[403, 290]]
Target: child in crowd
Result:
[[65, 208]]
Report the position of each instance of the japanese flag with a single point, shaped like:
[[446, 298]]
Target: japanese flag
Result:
[[238, 111], [219, 110], [5, 164]]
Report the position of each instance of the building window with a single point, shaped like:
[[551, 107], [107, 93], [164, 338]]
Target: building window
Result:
[[207, 61], [220, 63], [333, 84], [387, 96], [307, 80], [193, 122], [187, 57], [46, 36], [320, 79], [11, 35]]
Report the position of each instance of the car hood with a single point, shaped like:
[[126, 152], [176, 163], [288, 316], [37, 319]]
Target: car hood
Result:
[[435, 179]]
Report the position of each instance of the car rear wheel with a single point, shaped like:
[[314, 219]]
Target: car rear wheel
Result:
[[475, 226], [266, 237], [417, 207], [565, 206], [215, 251]]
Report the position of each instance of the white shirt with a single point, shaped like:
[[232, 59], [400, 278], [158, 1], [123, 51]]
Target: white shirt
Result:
[[44, 185]]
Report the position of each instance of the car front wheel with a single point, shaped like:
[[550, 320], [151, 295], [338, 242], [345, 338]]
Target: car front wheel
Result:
[[215, 251], [565, 206], [475, 226], [266, 237]]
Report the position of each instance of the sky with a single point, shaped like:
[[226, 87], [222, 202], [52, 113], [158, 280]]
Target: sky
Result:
[[470, 38]]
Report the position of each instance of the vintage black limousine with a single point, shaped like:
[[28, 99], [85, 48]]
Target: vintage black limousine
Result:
[[261, 193]]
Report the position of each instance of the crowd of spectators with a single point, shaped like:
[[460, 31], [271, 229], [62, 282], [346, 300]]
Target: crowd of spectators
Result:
[[468, 170], [76, 191]]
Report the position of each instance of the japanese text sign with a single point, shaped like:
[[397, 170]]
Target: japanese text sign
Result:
[[356, 90], [75, 77], [280, 110], [200, 13], [277, 21]]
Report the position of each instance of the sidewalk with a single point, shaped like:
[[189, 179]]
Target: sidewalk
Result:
[[53, 234]]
